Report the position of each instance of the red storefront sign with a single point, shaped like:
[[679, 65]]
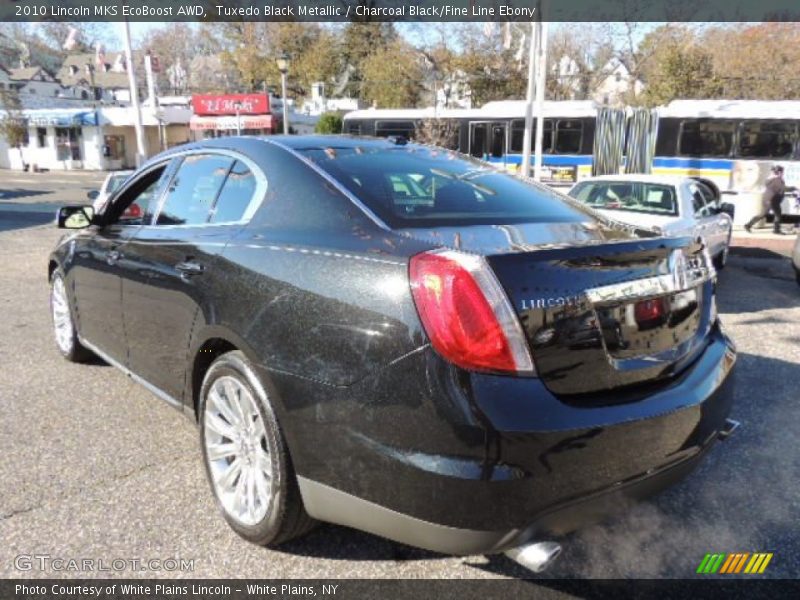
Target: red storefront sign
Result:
[[228, 123], [226, 104]]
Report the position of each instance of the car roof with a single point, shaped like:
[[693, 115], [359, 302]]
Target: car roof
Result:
[[304, 142]]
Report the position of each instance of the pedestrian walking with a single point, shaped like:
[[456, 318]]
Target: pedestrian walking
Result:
[[771, 199]]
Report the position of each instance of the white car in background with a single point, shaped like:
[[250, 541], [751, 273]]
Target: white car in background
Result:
[[675, 206], [112, 182]]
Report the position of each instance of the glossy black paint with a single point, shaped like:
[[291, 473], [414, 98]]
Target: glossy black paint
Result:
[[316, 293]]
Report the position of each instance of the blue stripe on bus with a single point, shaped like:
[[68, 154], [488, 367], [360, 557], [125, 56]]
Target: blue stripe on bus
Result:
[[548, 159], [693, 163]]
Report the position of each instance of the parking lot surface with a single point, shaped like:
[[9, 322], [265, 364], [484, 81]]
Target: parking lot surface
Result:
[[95, 466]]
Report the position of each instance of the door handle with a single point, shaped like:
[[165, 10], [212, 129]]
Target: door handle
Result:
[[113, 256], [189, 268]]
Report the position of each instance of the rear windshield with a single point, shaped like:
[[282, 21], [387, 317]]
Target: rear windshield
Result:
[[628, 196], [413, 186]]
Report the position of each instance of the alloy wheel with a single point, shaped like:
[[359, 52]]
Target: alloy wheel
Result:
[[237, 451], [62, 319]]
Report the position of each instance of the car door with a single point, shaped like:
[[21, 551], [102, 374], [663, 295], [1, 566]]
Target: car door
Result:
[[95, 269], [170, 263], [707, 221], [718, 224]]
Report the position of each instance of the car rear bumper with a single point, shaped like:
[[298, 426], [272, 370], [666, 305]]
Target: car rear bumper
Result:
[[514, 462]]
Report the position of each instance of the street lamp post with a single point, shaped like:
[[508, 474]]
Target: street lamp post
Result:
[[238, 107], [283, 67]]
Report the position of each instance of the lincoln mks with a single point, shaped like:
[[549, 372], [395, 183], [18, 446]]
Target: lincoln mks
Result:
[[398, 338]]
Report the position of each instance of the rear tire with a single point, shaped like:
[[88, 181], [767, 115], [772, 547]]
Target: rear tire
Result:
[[245, 455], [64, 331]]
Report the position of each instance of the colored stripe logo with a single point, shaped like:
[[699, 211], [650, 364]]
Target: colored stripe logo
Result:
[[737, 562]]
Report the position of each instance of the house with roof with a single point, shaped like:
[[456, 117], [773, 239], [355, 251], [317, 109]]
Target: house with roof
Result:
[[29, 81], [85, 77]]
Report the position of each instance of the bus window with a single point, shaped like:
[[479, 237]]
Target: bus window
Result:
[[398, 128], [706, 138], [568, 137], [518, 134], [766, 139], [352, 128]]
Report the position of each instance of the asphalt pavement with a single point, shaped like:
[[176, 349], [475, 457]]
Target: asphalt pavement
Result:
[[95, 466]]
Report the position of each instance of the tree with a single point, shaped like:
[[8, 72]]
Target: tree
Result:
[[253, 48], [392, 76], [756, 61], [13, 128], [330, 122], [359, 42], [681, 72], [437, 132]]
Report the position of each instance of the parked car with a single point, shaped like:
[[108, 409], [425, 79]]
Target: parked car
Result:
[[111, 183], [676, 206], [399, 338], [796, 258]]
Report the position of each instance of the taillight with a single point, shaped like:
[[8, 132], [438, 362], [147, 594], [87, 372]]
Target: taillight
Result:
[[466, 313]]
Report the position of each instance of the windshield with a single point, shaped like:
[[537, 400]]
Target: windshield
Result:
[[414, 186], [628, 196]]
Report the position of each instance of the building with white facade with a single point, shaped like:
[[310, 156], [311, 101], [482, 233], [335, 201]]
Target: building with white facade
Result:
[[100, 138]]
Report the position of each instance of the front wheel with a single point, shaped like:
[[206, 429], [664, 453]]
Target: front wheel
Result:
[[721, 259], [245, 455], [64, 331]]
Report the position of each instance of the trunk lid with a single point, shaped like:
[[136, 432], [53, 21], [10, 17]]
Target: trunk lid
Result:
[[610, 316]]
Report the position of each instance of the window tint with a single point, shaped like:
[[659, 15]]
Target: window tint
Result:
[[194, 189], [568, 137], [518, 135], [235, 196], [412, 186], [706, 138], [766, 139], [650, 198]]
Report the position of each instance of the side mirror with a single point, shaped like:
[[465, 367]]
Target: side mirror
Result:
[[75, 216], [93, 194], [728, 208]]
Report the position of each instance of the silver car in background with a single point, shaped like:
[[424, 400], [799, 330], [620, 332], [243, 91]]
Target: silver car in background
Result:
[[675, 206], [112, 182]]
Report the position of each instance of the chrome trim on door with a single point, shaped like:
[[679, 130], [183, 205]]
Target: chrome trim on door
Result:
[[137, 378]]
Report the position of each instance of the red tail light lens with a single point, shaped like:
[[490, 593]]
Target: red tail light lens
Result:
[[466, 313], [649, 310]]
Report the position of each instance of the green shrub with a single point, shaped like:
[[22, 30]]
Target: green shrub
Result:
[[329, 123]]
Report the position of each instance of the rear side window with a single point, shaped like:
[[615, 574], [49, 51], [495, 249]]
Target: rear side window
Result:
[[194, 189], [412, 186], [235, 195]]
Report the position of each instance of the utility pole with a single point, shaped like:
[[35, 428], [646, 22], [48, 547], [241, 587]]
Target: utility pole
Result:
[[141, 146], [541, 81], [527, 137]]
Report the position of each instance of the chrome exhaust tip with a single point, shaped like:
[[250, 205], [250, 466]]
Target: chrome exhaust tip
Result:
[[728, 429], [536, 556]]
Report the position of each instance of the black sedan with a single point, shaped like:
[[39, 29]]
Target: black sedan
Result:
[[399, 338]]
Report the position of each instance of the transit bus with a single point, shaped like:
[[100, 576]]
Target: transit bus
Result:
[[495, 132], [731, 142]]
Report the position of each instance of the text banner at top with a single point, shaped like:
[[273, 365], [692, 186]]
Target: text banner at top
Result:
[[395, 10]]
